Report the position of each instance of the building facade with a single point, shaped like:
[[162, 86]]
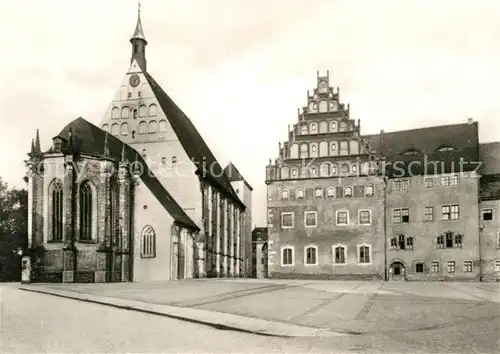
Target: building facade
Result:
[[141, 197], [407, 205]]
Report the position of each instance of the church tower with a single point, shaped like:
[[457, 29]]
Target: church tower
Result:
[[138, 118], [139, 43]]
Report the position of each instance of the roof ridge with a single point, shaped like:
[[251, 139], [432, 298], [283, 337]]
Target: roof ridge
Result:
[[191, 140]]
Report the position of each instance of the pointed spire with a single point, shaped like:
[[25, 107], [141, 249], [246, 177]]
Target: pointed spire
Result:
[[32, 146], [70, 138], [139, 32], [124, 157], [106, 147], [37, 142]]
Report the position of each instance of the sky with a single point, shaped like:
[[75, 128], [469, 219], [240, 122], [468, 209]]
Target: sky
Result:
[[241, 68]]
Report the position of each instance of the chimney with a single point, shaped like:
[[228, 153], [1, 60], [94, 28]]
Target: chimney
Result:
[[470, 120]]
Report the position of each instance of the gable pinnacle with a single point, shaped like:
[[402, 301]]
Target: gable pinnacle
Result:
[[106, 147], [139, 32], [37, 142]]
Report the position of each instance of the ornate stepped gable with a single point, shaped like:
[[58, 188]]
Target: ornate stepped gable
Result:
[[325, 141]]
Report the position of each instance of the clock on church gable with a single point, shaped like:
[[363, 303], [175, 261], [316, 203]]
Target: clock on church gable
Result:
[[134, 80]]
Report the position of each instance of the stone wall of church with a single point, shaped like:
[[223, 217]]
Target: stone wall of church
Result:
[[221, 233]]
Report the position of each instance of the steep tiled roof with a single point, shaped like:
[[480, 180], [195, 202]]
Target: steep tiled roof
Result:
[[490, 156], [192, 142], [234, 175], [425, 142], [89, 139], [489, 187]]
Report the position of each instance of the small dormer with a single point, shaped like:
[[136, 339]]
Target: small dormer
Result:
[[59, 143], [445, 148], [411, 151]]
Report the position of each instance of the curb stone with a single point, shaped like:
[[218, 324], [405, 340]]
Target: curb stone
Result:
[[213, 319]]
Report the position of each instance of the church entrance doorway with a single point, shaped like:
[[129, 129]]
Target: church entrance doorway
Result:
[[397, 271]]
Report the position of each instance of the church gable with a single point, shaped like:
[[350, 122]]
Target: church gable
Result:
[[134, 115]]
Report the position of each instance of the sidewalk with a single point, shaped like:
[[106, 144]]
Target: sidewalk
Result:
[[299, 308]]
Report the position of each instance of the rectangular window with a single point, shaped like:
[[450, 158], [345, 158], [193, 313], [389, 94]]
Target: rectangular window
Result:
[[429, 214], [339, 255], [287, 220], [487, 214], [311, 256], [287, 256], [342, 217], [498, 240], [451, 267], [318, 193], [497, 266], [401, 185], [467, 266], [311, 218], [450, 212], [396, 216], [429, 182], [363, 254], [445, 181], [434, 267], [454, 180], [419, 267], [365, 217], [405, 215]]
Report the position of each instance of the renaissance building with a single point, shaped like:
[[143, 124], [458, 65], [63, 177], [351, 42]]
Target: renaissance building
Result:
[[411, 205]]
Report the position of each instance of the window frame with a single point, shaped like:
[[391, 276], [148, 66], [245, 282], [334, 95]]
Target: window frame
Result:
[[453, 267], [293, 219], [332, 195], [431, 263], [465, 269], [152, 241], [483, 212], [282, 254], [337, 212], [315, 248], [426, 219], [428, 185], [315, 218], [334, 259], [358, 258], [359, 217], [302, 192], [285, 195]]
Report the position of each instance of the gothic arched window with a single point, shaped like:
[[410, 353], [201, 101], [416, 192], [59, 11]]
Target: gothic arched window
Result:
[[153, 127], [143, 127], [125, 112], [85, 211], [162, 126], [148, 246], [115, 113], [56, 212], [152, 110]]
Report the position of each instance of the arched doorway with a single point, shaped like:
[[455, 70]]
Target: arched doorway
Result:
[[397, 271]]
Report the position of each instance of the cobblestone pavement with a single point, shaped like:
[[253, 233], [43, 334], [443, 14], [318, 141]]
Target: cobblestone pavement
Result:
[[429, 314]]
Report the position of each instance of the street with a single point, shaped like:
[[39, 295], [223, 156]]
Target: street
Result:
[[41, 323]]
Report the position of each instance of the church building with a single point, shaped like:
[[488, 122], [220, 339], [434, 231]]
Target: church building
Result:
[[418, 204], [140, 197]]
